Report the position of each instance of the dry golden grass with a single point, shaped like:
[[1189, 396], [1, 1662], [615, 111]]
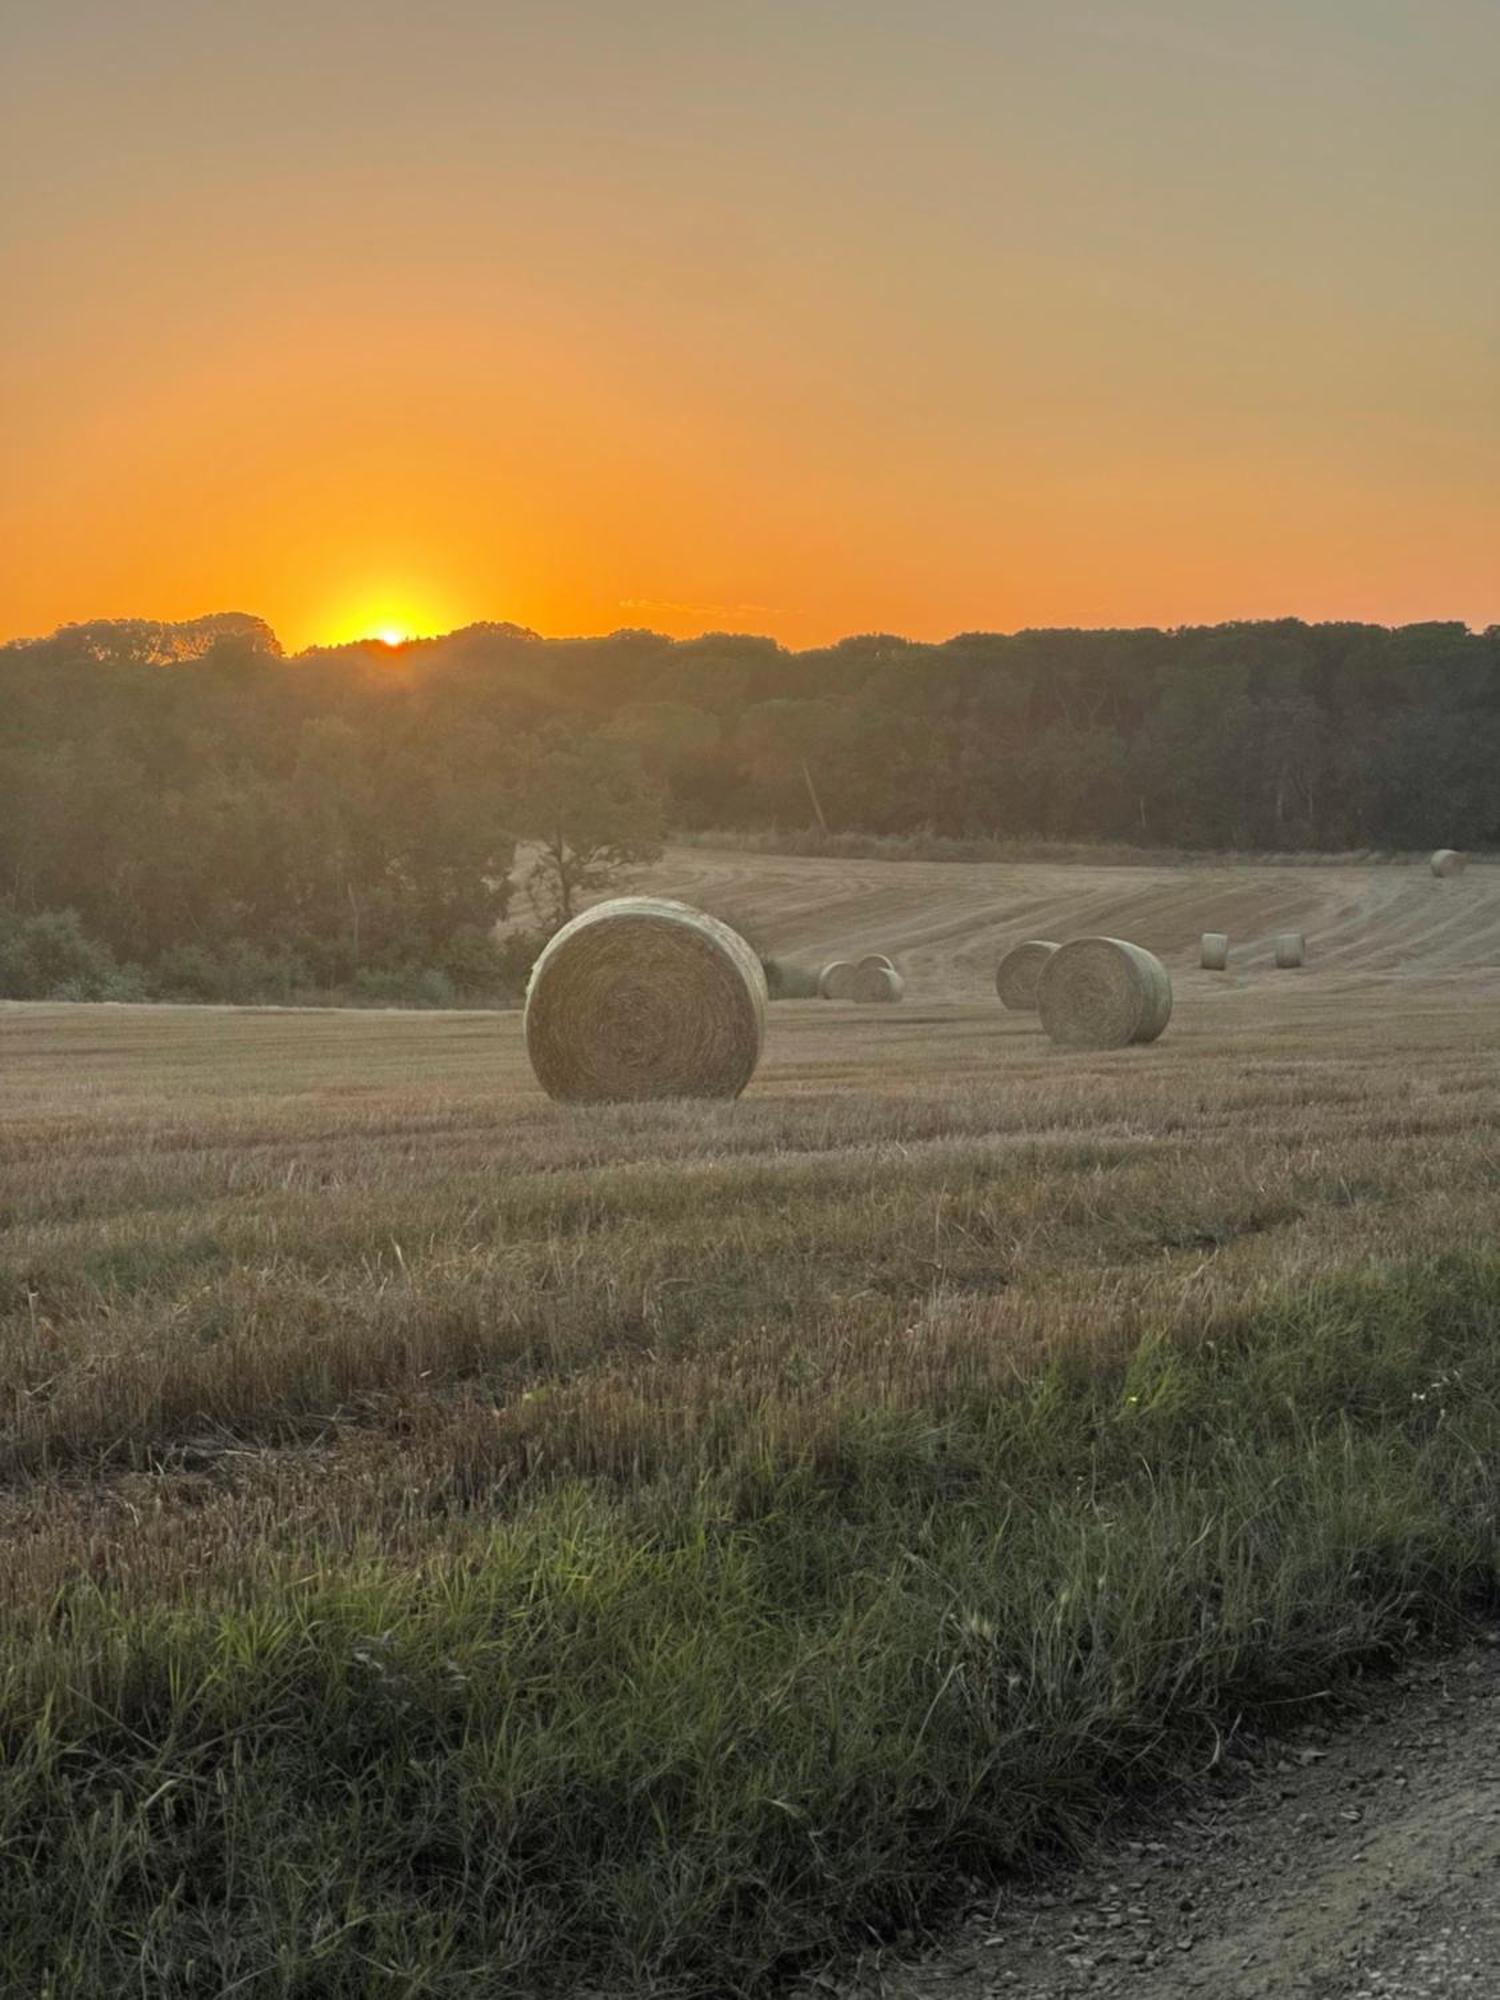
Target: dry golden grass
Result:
[[233, 1237], [950, 922], [284, 1294]]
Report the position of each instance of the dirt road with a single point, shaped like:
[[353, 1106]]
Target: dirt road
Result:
[[1359, 1862]]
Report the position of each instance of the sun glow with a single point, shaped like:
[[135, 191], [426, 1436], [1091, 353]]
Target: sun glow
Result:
[[392, 615]]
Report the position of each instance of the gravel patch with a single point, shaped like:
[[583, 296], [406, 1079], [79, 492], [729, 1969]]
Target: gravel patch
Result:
[[1357, 1862]]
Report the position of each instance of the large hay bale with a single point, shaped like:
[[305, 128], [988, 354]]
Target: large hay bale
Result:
[[1291, 949], [1448, 861], [1213, 951], [1103, 993], [833, 980], [877, 958], [1018, 972], [641, 998], [875, 982]]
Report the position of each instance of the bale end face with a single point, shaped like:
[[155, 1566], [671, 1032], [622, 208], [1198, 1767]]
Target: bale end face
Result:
[[876, 983], [876, 958], [1291, 950], [1017, 974], [1448, 861], [1104, 993], [833, 980], [1213, 951], [644, 998]]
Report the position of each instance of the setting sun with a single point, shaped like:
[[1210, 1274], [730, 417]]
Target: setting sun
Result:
[[389, 613], [749, 997]]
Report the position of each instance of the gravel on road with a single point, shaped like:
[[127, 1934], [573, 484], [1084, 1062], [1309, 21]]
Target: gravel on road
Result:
[[1359, 1861]]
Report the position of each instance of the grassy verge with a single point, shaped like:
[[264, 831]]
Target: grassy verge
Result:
[[684, 1730]]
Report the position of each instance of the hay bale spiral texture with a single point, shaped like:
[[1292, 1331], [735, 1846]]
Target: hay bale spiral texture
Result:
[[1213, 952], [875, 983], [1103, 993], [833, 980], [644, 998], [1291, 949], [1448, 861], [1017, 974], [877, 958]]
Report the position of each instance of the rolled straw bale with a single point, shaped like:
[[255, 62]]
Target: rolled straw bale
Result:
[[1291, 949], [1018, 972], [1103, 993], [1448, 861], [833, 980], [877, 958], [1213, 952], [875, 982], [641, 997]]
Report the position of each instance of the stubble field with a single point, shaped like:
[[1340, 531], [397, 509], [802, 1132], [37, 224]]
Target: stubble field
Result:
[[456, 1544]]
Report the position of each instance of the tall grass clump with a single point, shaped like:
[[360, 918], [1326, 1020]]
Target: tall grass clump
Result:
[[685, 1734]]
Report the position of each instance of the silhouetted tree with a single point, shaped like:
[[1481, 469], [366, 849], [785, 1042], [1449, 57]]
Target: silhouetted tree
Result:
[[185, 788], [592, 811]]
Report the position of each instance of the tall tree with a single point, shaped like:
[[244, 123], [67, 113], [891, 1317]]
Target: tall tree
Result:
[[591, 810]]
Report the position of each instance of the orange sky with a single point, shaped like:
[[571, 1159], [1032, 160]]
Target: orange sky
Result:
[[802, 317]]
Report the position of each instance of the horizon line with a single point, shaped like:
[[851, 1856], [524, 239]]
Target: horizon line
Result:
[[369, 640]]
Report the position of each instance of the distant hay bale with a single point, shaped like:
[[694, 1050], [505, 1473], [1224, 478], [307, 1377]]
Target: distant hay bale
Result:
[[1103, 993], [1213, 952], [1017, 974], [1291, 949], [875, 983], [1448, 861], [877, 958], [643, 998], [833, 980]]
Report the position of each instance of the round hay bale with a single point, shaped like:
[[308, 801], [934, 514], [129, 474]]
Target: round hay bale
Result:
[[641, 998], [1103, 993], [1018, 972], [875, 982], [1213, 952], [1448, 861], [1291, 949], [833, 980], [877, 958]]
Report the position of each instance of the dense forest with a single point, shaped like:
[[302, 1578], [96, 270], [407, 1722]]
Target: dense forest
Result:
[[220, 819]]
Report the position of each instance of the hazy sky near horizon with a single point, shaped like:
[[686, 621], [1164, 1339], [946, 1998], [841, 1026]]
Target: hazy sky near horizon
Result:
[[794, 316]]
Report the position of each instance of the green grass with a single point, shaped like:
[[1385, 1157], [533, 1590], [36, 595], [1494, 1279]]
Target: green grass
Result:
[[453, 1544], [685, 1729]]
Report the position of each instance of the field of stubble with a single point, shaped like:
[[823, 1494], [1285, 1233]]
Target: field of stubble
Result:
[[454, 1544]]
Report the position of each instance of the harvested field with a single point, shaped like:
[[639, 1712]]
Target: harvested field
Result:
[[950, 922], [455, 1535]]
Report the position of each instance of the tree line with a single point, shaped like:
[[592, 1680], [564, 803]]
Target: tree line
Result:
[[219, 817]]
